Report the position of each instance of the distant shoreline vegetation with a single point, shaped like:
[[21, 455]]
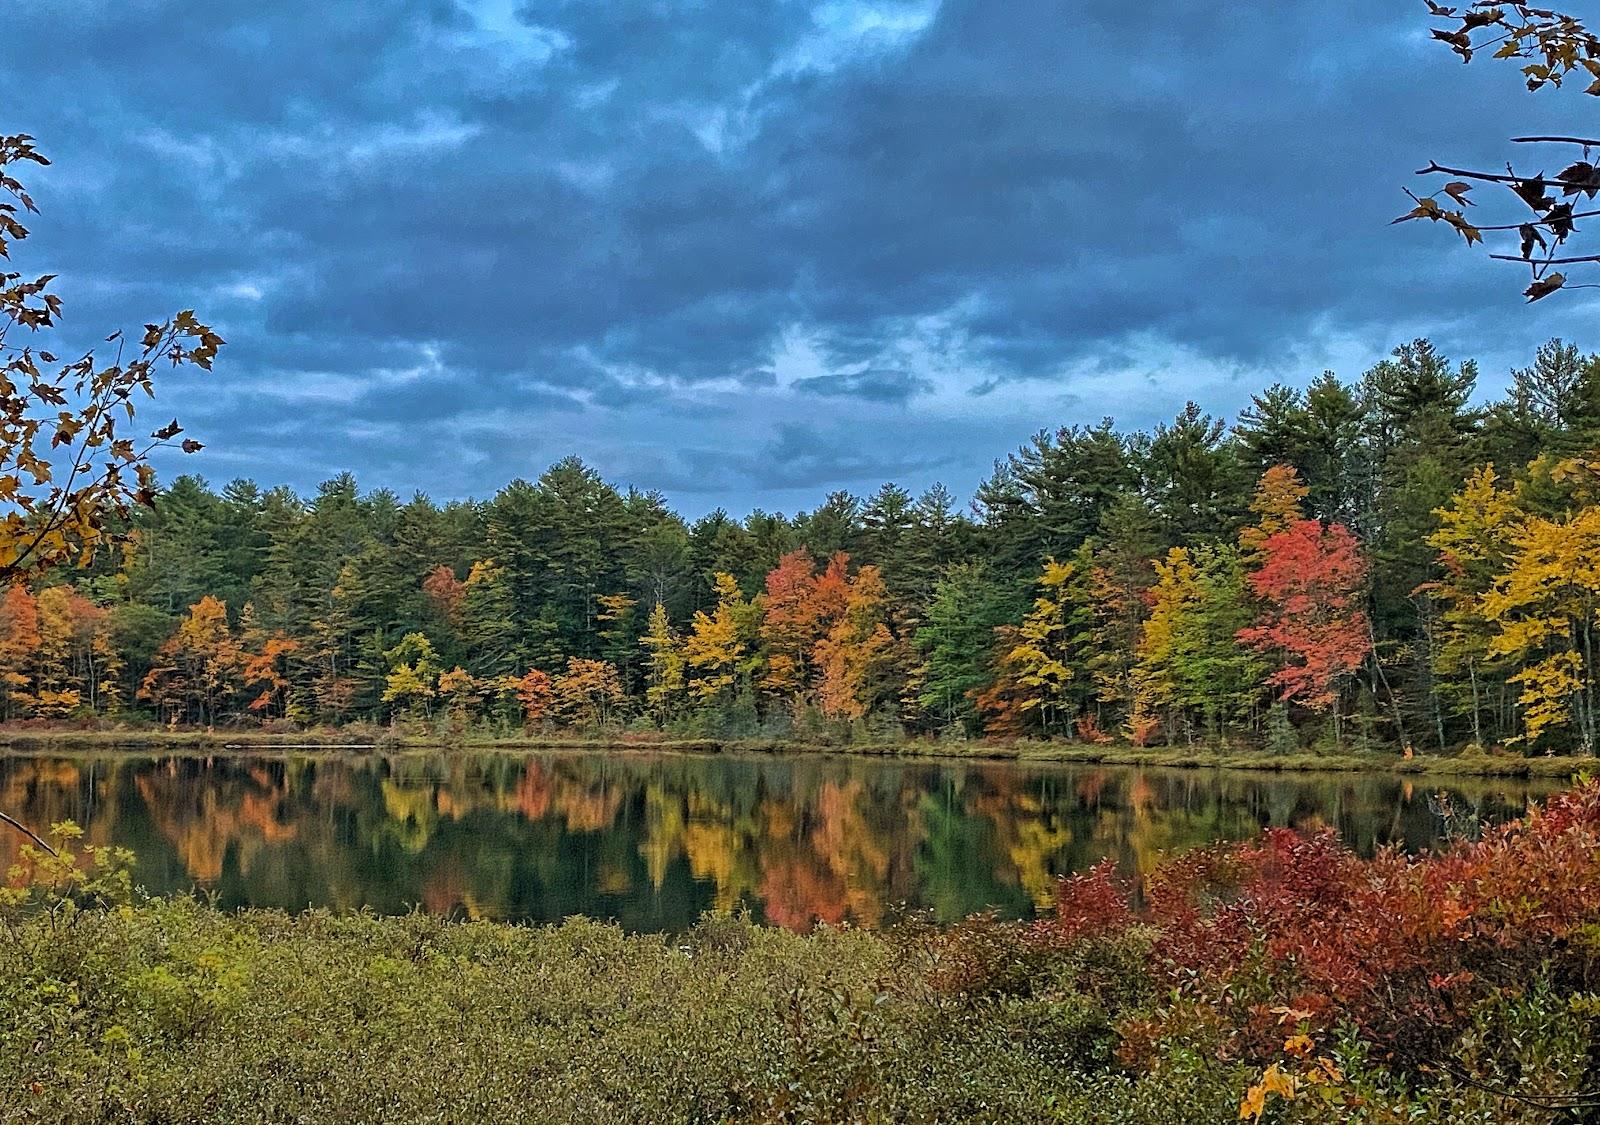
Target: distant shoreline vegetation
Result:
[[1380, 567], [36, 738]]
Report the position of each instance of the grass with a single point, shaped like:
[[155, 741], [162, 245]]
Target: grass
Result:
[[173, 1012]]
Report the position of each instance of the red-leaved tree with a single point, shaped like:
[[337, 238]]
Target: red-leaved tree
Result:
[[1309, 586]]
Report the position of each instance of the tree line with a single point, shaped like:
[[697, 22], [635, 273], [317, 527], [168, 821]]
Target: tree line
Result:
[[1384, 561]]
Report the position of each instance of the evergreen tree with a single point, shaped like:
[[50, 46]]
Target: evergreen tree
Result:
[[1198, 483], [957, 641], [1422, 434]]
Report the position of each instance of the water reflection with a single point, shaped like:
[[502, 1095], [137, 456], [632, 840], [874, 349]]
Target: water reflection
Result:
[[654, 840]]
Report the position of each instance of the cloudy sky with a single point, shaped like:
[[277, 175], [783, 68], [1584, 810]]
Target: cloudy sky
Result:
[[747, 251]]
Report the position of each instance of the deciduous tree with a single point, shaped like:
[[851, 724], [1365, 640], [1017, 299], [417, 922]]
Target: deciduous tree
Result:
[[1552, 46], [1192, 664], [535, 692], [858, 657], [1310, 587], [719, 644], [19, 645], [1474, 543], [412, 682], [1545, 608], [69, 470], [589, 693], [1048, 663], [197, 671], [665, 665]]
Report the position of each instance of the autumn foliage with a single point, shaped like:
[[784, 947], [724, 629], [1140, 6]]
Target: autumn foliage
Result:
[[1310, 585], [1401, 948], [72, 470], [1268, 627]]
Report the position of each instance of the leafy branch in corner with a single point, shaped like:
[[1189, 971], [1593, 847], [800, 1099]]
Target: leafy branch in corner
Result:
[[1554, 46], [68, 467]]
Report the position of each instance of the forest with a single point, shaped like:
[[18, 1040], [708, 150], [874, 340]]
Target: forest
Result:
[[242, 927], [1390, 562]]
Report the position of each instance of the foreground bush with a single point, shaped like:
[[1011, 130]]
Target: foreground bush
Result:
[[1284, 980], [177, 1012], [1476, 965]]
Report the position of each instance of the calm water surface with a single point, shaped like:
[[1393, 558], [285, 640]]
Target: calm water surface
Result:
[[653, 840]]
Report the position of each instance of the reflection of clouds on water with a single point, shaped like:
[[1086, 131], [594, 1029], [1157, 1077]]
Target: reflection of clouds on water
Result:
[[654, 840]]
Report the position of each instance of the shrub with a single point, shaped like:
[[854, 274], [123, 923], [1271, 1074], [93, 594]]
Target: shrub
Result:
[[1405, 950]]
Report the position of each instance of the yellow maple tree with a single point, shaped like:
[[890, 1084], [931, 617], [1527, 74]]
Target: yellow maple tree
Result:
[[1473, 544], [1276, 505], [1544, 607], [1155, 687], [719, 643], [665, 664], [1044, 661]]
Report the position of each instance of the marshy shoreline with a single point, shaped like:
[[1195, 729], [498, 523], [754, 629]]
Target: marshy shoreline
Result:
[[36, 740]]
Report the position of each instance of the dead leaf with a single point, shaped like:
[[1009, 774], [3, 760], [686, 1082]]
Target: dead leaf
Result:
[[1543, 287]]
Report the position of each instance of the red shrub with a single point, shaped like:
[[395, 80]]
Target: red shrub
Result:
[[1095, 902], [1088, 730], [1399, 946]]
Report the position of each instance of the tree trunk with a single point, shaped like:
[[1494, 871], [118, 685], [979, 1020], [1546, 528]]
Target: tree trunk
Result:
[[1382, 677]]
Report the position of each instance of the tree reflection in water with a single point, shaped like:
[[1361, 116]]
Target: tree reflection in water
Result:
[[654, 840]]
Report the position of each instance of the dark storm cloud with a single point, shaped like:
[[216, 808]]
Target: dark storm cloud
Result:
[[874, 386], [447, 237], [801, 457]]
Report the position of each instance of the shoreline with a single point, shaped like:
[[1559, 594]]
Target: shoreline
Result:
[[35, 741]]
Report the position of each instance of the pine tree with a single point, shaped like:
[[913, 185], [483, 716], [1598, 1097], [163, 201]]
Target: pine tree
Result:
[[1122, 575], [957, 642], [488, 629], [1196, 477]]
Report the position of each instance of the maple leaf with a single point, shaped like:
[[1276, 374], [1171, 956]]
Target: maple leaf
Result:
[[1426, 208], [1580, 177], [1530, 235], [1531, 192], [1543, 287]]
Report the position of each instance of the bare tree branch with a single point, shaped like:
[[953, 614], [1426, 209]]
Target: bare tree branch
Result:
[[28, 832]]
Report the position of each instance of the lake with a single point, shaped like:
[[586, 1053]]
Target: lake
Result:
[[652, 840]]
